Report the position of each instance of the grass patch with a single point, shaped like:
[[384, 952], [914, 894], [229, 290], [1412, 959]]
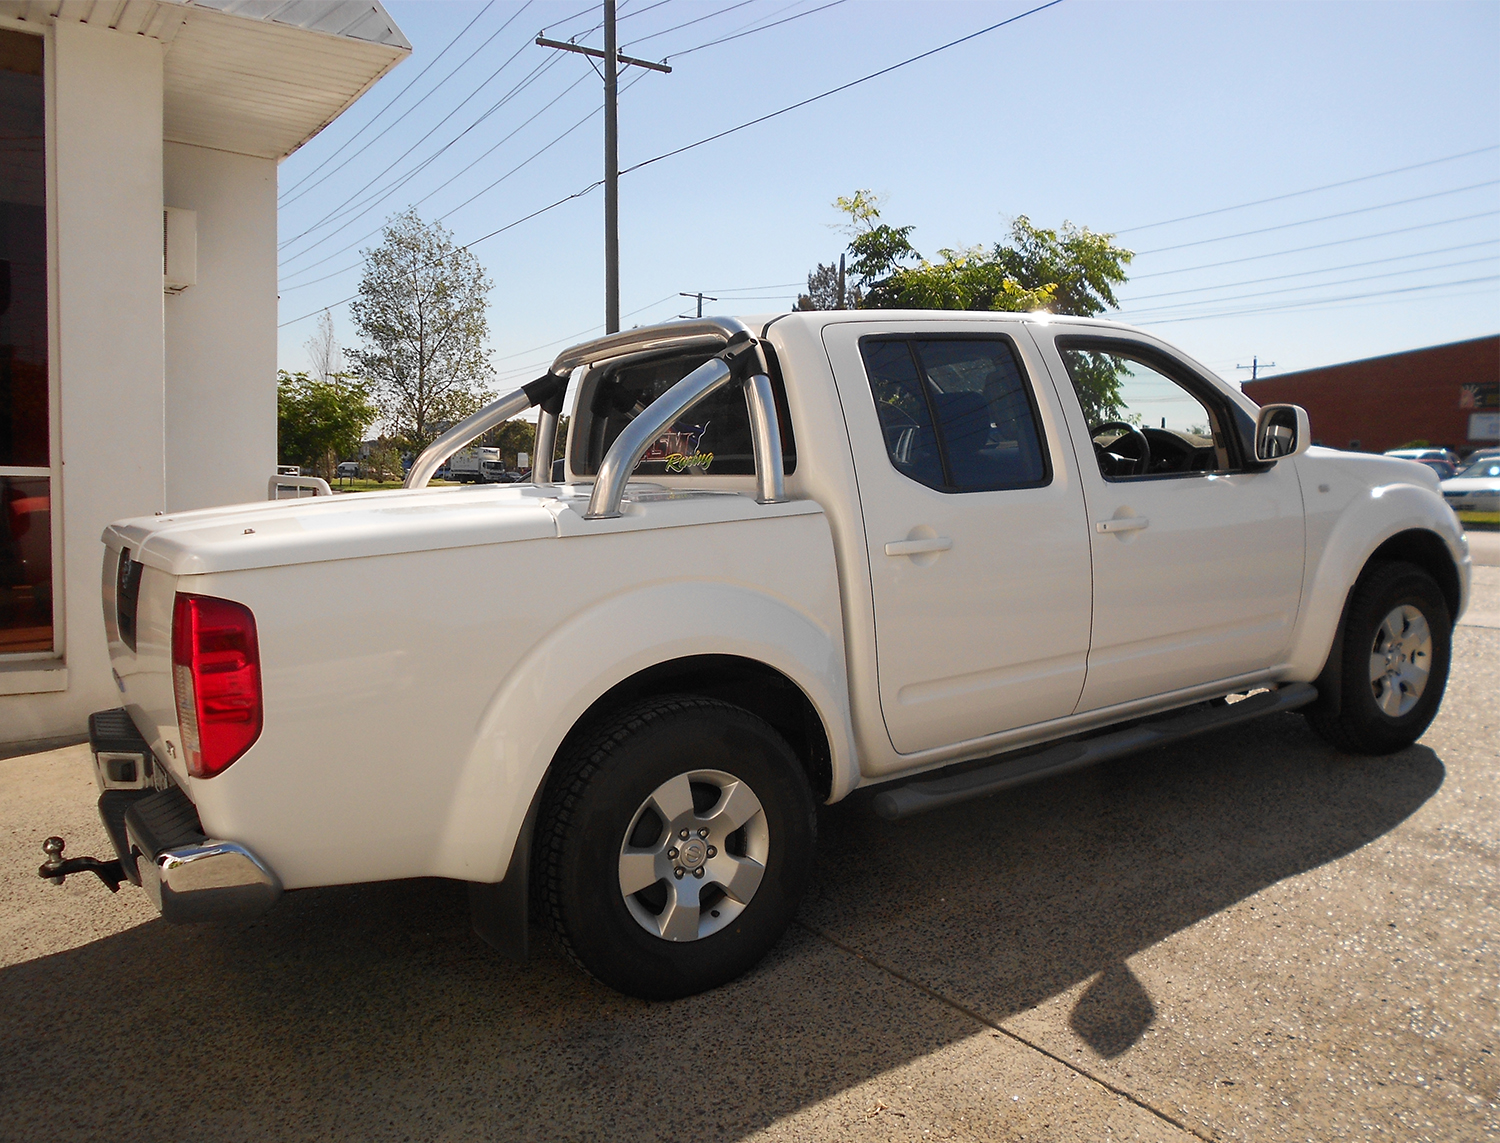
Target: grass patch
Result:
[[361, 485]]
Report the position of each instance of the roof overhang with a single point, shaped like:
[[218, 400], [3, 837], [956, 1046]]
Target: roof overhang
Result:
[[257, 77]]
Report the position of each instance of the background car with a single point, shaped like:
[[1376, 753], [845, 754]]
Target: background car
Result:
[[1474, 493], [1443, 468], [1442, 454]]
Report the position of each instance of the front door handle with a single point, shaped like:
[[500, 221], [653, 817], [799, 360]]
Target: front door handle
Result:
[[1123, 524], [917, 547]]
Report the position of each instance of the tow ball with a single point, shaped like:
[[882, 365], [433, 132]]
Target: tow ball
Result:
[[54, 869]]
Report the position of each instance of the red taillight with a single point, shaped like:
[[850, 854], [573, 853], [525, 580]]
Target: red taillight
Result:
[[216, 675]]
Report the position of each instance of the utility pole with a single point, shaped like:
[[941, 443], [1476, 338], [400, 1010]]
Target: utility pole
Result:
[[612, 61], [700, 295], [841, 282], [1254, 367]]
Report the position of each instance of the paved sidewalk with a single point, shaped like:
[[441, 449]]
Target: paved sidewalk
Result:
[[1245, 936]]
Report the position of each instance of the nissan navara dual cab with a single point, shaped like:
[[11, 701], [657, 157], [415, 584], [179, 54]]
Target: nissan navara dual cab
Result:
[[937, 554]]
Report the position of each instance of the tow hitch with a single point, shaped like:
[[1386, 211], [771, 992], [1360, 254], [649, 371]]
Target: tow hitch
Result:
[[55, 869]]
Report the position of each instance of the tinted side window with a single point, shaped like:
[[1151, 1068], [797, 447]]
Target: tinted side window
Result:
[[956, 413], [713, 439]]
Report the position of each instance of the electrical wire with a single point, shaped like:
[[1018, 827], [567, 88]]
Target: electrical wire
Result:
[[1310, 286], [1306, 273], [596, 184], [593, 186], [343, 207], [1312, 190], [842, 87], [547, 147], [1321, 218], [392, 102], [351, 207], [1318, 245], [752, 31], [1315, 302], [418, 202], [688, 23]]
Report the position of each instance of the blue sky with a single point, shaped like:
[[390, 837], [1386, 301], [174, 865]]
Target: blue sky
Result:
[[1125, 117]]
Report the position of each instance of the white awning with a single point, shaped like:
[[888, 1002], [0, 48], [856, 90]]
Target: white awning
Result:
[[257, 77]]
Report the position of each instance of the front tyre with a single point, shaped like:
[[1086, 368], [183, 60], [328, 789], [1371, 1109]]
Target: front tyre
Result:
[[1397, 647], [675, 846]]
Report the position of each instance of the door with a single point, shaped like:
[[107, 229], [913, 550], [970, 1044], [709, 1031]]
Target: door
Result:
[[975, 527], [1197, 550]]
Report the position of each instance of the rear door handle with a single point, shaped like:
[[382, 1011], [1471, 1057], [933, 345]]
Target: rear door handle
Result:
[[1124, 524], [917, 547]]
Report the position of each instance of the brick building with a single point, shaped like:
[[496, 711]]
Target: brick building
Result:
[[1448, 395]]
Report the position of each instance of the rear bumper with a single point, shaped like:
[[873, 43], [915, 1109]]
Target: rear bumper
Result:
[[160, 841], [190, 877]]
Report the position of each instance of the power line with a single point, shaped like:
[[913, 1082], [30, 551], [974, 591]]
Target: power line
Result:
[[690, 146], [340, 209], [593, 186], [1312, 190], [1310, 286], [1306, 273], [371, 233], [392, 102], [841, 87], [687, 23], [485, 190], [752, 31], [1313, 302], [1319, 245], [1322, 218]]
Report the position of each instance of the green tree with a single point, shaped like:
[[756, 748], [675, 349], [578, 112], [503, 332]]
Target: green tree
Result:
[[317, 422], [384, 461], [421, 315], [1068, 271]]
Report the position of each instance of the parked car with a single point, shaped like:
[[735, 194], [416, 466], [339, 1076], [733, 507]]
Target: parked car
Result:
[[347, 469], [1443, 468], [1447, 456], [1474, 493], [288, 470], [937, 554]]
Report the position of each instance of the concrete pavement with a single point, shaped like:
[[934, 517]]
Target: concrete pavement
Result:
[[1246, 936]]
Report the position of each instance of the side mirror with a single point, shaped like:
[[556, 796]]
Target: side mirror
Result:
[[1281, 431]]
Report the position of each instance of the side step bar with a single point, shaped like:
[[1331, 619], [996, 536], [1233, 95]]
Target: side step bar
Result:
[[922, 795]]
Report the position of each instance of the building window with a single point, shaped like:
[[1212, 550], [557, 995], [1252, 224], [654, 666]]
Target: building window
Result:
[[26, 475]]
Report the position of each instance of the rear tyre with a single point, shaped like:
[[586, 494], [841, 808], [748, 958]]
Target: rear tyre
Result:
[[675, 846], [1397, 647]]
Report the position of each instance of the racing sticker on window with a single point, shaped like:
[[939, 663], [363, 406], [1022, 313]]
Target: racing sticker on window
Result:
[[681, 448]]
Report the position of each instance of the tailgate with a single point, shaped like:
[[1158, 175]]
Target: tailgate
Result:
[[138, 623]]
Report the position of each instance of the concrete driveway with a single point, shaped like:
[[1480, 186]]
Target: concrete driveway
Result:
[[1243, 937]]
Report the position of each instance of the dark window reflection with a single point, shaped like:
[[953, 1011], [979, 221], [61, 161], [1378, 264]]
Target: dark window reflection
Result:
[[23, 254], [25, 564], [25, 499]]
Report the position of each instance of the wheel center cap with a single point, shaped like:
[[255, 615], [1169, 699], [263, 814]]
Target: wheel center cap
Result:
[[693, 853]]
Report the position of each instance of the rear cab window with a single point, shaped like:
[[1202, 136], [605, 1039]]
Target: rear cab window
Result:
[[711, 439]]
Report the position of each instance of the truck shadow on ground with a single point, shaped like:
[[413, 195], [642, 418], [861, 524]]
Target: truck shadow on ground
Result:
[[371, 1012]]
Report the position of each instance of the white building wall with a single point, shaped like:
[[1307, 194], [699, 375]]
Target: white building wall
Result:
[[105, 111], [221, 333]]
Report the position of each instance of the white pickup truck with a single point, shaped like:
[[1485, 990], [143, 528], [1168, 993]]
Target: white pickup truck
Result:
[[934, 553]]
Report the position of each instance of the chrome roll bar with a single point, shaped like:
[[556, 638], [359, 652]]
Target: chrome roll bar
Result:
[[728, 334], [703, 333], [640, 433], [656, 418], [462, 433], [546, 445]]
